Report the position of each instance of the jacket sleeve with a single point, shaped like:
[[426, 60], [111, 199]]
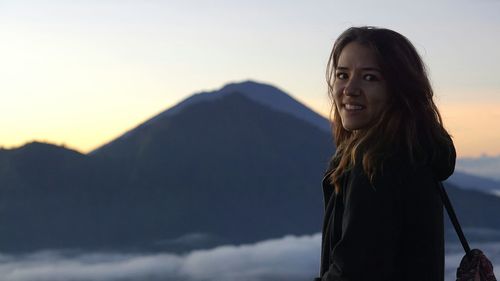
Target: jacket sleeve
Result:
[[371, 228]]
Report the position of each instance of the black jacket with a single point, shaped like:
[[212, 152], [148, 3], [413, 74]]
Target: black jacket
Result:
[[391, 230]]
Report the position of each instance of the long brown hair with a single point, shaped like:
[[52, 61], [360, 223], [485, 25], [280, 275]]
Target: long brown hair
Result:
[[409, 123]]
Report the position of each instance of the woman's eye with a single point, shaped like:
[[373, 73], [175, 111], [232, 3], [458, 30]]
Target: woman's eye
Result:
[[341, 75], [370, 77]]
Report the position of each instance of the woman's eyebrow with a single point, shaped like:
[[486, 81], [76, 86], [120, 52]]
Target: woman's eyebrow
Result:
[[362, 68]]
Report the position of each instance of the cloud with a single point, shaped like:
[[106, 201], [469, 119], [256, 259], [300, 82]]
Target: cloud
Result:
[[290, 258], [485, 166], [287, 258], [58, 266]]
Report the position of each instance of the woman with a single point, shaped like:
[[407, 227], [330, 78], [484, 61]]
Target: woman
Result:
[[383, 212]]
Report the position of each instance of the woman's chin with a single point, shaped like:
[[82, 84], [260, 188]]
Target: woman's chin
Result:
[[351, 127]]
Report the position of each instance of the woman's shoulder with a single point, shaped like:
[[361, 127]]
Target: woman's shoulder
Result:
[[397, 170], [396, 164]]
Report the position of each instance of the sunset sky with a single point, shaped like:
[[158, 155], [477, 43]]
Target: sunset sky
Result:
[[82, 72]]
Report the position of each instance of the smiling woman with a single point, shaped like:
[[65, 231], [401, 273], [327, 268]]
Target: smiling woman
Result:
[[383, 212]]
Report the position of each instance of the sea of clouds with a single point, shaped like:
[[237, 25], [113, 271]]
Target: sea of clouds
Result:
[[486, 166], [289, 258]]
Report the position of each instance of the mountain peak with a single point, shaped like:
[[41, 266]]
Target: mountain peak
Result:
[[262, 93], [36, 145], [250, 86]]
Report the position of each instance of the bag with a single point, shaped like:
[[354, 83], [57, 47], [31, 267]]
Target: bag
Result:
[[474, 266]]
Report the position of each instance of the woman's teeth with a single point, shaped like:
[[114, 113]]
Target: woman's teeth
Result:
[[353, 107]]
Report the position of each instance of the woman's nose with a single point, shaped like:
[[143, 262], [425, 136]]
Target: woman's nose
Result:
[[351, 88]]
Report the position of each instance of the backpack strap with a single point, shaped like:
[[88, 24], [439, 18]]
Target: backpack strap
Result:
[[453, 218]]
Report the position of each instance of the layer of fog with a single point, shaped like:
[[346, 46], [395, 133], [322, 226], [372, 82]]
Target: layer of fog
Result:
[[288, 258], [486, 166]]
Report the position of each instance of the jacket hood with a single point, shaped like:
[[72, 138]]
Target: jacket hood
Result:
[[443, 163], [439, 157]]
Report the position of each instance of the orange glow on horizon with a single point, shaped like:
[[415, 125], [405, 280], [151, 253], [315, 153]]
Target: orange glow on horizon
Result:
[[475, 127]]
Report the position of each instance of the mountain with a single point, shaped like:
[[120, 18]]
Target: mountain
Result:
[[236, 166], [225, 170], [264, 94], [53, 197], [473, 182], [477, 213]]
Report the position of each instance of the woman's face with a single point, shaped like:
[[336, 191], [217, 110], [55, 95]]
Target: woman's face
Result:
[[359, 87]]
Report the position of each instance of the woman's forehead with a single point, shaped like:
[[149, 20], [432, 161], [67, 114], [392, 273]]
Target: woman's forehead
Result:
[[357, 56]]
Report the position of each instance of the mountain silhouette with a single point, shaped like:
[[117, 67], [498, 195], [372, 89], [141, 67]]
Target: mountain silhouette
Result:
[[264, 94], [224, 170], [474, 182]]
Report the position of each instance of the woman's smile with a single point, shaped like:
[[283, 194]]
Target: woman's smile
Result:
[[353, 107]]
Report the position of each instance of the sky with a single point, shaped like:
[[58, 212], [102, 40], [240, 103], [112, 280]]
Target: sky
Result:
[[80, 73]]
